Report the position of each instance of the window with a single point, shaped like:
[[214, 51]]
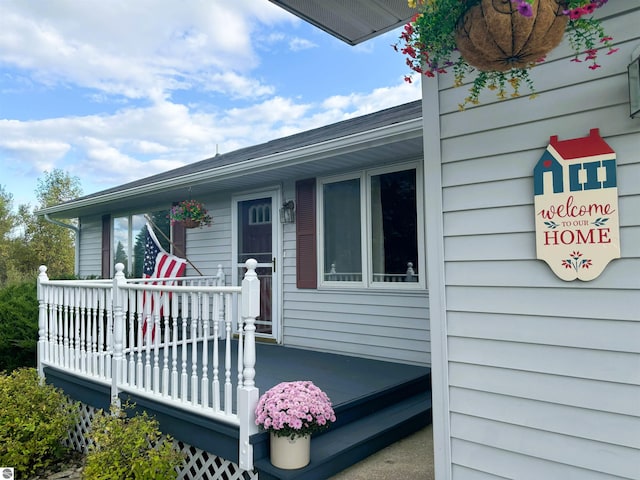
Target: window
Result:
[[370, 229], [260, 214], [129, 234], [342, 230]]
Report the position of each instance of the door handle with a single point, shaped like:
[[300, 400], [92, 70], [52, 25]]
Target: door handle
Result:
[[274, 264]]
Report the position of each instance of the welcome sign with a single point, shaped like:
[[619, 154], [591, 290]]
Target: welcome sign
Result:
[[576, 207]]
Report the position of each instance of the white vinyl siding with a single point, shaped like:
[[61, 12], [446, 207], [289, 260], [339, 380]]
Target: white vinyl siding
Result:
[[380, 324], [541, 377], [90, 247], [210, 246]]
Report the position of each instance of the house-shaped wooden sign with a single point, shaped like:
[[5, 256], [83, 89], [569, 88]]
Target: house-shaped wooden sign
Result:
[[576, 207]]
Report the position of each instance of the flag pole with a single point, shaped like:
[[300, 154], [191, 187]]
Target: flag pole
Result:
[[184, 255]]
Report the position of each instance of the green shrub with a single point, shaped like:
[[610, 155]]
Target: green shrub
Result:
[[18, 326], [129, 448], [34, 420]]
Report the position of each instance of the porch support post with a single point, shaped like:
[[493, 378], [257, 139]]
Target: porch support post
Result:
[[248, 393], [42, 321], [117, 361]]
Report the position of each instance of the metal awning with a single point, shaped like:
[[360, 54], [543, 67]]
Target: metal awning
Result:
[[352, 21]]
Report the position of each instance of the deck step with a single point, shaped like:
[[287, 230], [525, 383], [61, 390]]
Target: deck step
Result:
[[376, 401], [341, 447]]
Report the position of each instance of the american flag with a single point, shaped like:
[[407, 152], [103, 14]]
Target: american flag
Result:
[[161, 265]]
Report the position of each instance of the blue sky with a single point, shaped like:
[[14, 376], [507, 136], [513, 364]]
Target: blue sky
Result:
[[112, 91]]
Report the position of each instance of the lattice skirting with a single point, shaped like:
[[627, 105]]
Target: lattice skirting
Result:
[[198, 464]]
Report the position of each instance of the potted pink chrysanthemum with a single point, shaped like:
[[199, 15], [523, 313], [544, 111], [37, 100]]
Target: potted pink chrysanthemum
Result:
[[291, 412]]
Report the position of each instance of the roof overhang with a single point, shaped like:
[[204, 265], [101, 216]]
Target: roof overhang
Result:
[[394, 142], [352, 21]]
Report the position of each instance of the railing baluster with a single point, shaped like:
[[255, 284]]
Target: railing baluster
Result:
[[148, 321], [94, 331], [215, 384], [81, 299], [51, 317], [73, 330], [139, 379], [228, 387], [57, 307], [75, 321], [194, 348], [165, 348], [156, 334], [101, 333], [204, 387], [240, 349], [65, 320], [131, 330], [174, 345], [109, 345], [183, 346]]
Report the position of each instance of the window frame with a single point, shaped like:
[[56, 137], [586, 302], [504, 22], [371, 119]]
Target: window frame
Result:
[[366, 230], [131, 236]]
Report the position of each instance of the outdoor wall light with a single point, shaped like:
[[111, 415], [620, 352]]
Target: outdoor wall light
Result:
[[634, 84], [288, 212]]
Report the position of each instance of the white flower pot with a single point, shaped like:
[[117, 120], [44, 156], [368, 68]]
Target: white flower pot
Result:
[[290, 454]]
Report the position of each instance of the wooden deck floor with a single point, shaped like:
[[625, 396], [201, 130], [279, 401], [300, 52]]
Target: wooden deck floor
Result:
[[358, 388], [344, 378]]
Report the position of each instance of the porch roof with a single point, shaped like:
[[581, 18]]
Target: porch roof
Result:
[[394, 133], [352, 21]]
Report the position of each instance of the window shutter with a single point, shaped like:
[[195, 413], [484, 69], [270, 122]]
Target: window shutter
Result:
[[106, 246], [306, 262], [179, 236]]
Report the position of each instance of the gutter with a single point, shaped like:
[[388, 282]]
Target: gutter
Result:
[[76, 231]]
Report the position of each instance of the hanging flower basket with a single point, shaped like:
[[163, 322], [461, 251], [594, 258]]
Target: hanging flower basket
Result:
[[498, 40], [191, 213], [492, 35], [189, 223]]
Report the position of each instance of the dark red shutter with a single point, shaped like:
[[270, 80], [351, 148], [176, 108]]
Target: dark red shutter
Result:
[[306, 262], [179, 236], [106, 246]]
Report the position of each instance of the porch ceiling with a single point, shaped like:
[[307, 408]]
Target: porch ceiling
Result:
[[352, 21]]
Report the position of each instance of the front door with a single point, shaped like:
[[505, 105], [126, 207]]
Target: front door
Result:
[[256, 236]]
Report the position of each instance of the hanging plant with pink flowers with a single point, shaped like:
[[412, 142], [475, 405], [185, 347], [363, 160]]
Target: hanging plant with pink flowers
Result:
[[191, 213], [500, 40]]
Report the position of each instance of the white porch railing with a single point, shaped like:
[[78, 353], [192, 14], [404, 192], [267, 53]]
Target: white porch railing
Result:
[[155, 341]]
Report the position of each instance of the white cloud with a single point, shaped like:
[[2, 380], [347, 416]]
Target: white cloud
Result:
[[177, 81], [297, 44], [140, 49]]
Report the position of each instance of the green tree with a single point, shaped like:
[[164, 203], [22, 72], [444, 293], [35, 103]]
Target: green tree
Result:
[[43, 242], [18, 325], [7, 224], [121, 257]]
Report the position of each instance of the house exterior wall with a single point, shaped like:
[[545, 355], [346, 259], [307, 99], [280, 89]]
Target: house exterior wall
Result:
[[533, 377], [89, 262], [384, 325]]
